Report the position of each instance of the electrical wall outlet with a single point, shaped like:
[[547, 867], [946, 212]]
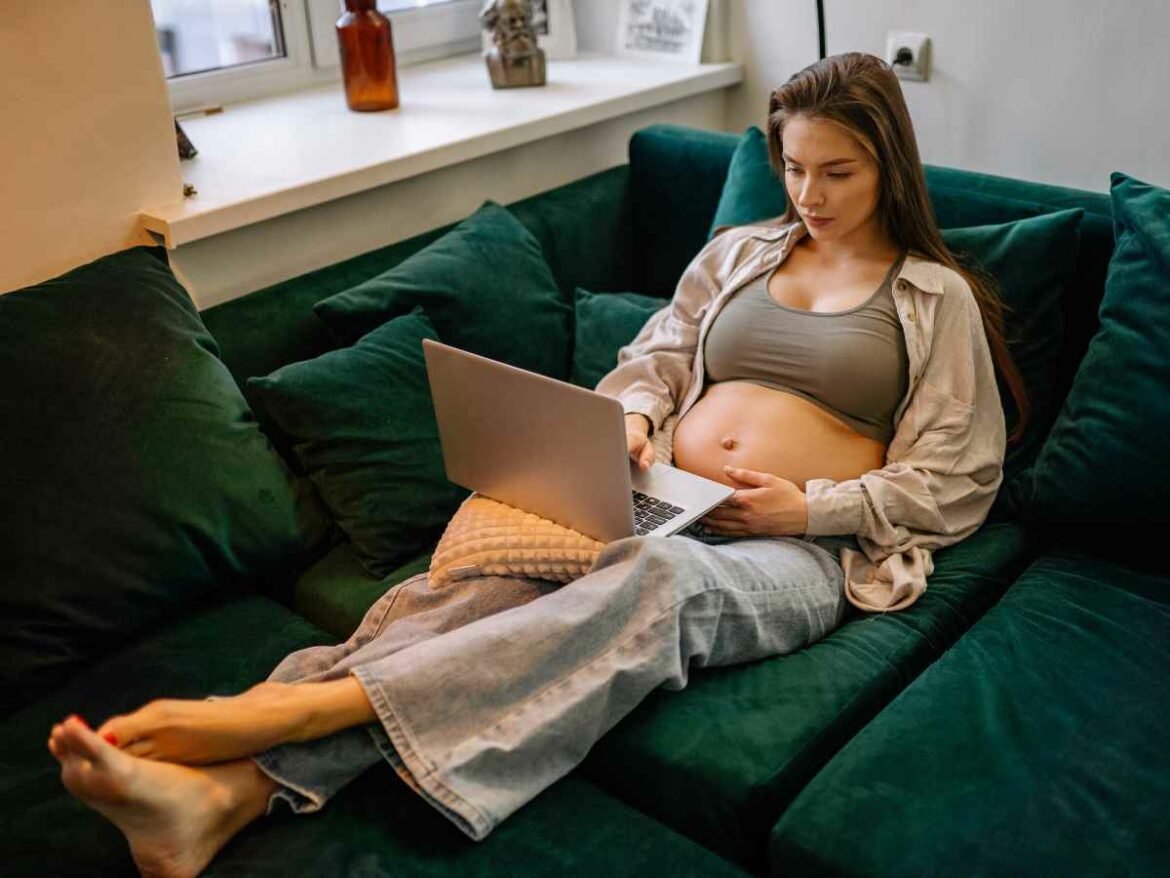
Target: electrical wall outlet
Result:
[[909, 54]]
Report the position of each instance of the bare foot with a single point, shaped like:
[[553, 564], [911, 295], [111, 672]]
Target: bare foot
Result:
[[174, 817], [202, 732]]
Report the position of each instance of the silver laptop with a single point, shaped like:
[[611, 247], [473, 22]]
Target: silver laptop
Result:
[[554, 449]]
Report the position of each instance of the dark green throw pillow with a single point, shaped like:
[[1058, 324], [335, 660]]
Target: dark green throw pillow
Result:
[[135, 482], [1104, 470], [1033, 261], [605, 323], [486, 287], [752, 191], [363, 427]]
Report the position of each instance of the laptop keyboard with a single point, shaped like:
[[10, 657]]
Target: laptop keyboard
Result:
[[651, 513]]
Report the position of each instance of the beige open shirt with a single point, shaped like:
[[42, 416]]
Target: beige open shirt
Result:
[[944, 464]]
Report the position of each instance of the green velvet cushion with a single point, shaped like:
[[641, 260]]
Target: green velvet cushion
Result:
[[363, 427], [606, 322], [1035, 746], [486, 287], [378, 827], [336, 592], [135, 479], [752, 191], [1033, 261], [720, 760], [676, 175], [1105, 465]]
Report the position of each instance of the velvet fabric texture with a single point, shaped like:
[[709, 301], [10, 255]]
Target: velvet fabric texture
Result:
[[1034, 746], [1105, 465], [485, 286], [1033, 262], [335, 593], [363, 427], [752, 191], [605, 322], [676, 176], [136, 482]]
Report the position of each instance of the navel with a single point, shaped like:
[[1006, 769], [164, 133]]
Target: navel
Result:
[[729, 443]]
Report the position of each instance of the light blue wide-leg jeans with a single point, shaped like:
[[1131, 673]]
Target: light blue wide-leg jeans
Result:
[[492, 688]]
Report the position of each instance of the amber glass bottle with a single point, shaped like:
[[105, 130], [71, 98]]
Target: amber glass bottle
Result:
[[367, 57]]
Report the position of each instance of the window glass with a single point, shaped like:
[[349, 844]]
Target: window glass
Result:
[[200, 35]]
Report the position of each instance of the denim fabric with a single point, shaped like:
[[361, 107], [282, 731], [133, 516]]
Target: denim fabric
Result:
[[491, 688]]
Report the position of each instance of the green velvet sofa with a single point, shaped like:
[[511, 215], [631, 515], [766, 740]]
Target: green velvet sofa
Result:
[[1007, 723]]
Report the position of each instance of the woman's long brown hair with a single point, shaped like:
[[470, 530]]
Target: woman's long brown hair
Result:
[[861, 93]]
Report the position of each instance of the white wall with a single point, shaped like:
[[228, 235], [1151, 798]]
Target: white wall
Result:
[[1051, 90], [86, 137]]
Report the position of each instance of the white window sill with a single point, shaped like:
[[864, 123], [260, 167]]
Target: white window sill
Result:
[[265, 158]]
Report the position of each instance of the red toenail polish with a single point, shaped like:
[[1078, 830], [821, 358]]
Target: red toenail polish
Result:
[[111, 738]]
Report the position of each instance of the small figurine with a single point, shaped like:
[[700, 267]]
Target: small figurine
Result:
[[516, 61]]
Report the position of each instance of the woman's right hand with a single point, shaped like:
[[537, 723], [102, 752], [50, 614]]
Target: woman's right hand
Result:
[[638, 440]]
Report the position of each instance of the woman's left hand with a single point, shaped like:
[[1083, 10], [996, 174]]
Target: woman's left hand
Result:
[[767, 505]]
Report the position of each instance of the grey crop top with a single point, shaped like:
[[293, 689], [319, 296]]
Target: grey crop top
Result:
[[853, 364]]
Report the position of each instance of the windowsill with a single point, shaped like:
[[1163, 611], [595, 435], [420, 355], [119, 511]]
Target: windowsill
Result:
[[265, 158]]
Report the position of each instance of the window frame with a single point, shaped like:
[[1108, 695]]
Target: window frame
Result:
[[311, 55]]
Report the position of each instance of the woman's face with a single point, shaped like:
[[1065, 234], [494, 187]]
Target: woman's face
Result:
[[832, 181]]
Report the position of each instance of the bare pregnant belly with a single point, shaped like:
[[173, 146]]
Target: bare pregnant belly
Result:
[[748, 425]]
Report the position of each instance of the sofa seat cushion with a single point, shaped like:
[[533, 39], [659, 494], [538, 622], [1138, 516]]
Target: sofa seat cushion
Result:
[[720, 760], [335, 593], [135, 480], [377, 826], [1037, 745], [222, 648]]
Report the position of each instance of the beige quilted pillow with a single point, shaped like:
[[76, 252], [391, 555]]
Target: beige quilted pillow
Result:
[[489, 538]]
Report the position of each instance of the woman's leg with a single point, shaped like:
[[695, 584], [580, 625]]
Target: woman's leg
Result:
[[483, 718], [325, 698], [176, 818]]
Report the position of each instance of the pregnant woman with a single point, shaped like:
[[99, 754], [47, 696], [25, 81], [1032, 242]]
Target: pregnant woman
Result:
[[836, 366]]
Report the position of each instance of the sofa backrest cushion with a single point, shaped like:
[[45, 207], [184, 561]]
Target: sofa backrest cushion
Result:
[[752, 191], [135, 480], [1032, 261], [605, 322], [584, 232], [676, 177], [485, 286], [1104, 469]]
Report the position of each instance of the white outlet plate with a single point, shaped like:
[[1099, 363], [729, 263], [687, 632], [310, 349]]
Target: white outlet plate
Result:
[[919, 45]]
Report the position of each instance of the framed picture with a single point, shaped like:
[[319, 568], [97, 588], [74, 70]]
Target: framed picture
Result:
[[665, 29], [556, 29]]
